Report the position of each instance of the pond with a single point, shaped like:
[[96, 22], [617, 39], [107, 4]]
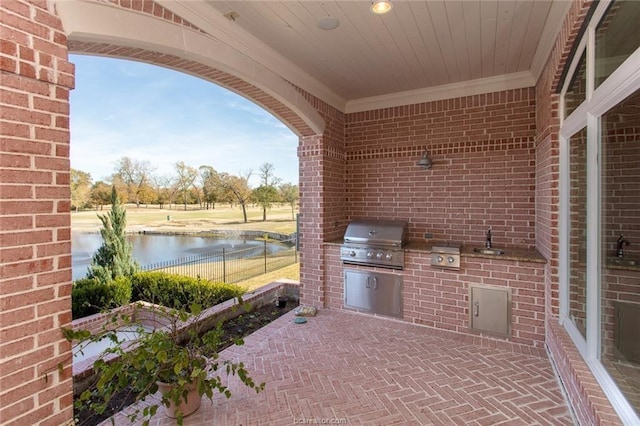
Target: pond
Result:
[[148, 249]]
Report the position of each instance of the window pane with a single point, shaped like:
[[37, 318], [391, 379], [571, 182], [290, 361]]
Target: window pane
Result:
[[578, 230], [576, 93], [617, 37], [620, 239]]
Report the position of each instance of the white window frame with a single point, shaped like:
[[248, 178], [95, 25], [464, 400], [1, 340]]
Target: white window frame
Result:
[[624, 81]]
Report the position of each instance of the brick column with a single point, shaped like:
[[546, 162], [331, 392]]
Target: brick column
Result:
[[312, 277], [35, 233]]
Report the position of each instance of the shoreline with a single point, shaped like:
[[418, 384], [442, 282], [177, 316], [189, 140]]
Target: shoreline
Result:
[[213, 233]]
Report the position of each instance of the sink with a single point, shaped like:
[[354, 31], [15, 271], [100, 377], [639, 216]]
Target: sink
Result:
[[491, 251], [622, 261]]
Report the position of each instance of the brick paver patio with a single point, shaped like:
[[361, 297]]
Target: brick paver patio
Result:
[[346, 368]]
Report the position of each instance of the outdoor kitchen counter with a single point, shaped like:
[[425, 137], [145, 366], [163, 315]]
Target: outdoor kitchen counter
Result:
[[522, 254], [510, 253]]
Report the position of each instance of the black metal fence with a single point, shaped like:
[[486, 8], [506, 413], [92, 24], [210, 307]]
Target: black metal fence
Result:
[[231, 266]]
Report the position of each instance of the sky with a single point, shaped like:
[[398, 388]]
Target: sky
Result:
[[122, 108]]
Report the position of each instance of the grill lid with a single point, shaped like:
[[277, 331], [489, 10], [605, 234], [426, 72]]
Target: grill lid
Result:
[[391, 233]]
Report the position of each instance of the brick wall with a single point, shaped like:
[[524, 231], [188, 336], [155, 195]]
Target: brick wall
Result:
[[585, 396], [440, 299], [483, 173], [35, 246], [322, 200]]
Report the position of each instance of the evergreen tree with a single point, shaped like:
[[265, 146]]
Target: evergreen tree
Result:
[[114, 258]]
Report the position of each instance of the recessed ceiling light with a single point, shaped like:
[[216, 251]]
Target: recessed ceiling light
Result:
[[328, 23], [381, 6]]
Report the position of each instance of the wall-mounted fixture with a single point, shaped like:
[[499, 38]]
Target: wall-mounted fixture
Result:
[[380, 7], [425, 161]]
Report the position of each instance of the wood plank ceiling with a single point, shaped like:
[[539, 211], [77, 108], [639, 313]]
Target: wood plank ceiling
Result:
[[418, 45]]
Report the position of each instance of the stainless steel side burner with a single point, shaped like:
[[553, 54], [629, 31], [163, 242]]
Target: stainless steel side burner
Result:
[[446, 255]]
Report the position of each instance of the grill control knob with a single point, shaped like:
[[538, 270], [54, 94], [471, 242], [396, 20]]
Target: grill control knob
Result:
[[369, 254], [450, 259], [379, 255], [440, 259], [388, 256], [352, 253]]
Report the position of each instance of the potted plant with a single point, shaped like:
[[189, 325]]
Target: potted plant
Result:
[[175, 358]]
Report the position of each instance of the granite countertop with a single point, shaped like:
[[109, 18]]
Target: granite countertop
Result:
[[510, 253]]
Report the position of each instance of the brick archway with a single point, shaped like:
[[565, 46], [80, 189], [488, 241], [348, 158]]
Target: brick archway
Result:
[[113, 29], [35, 232]]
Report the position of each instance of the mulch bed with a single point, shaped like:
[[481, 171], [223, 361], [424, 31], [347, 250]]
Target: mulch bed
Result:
[[233, 329]]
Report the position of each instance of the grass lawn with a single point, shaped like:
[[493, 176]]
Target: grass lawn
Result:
[[178, 220], [291, 272]]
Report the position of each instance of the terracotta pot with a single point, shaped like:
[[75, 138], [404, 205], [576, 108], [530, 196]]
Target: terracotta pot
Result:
[[186, 407]]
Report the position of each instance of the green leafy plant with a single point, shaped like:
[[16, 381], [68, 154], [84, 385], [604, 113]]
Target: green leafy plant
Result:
[[177, 352], [90, 296], [176, 290]]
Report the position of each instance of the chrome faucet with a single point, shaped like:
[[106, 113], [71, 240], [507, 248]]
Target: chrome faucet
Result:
[[622, 241], [487, 243]]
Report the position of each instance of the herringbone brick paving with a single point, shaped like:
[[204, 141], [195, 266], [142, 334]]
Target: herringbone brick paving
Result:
[[347, 368]]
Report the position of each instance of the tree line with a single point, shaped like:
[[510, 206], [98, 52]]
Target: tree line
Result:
[[136, 182]]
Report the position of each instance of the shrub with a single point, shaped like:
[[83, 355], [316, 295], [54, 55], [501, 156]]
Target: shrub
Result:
[[90, 296], [178, 292]]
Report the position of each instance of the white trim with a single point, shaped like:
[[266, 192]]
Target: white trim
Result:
[[577, 337], [575, 122], [624, 81], [593, 238], [564, 224], [102, 22], [612, 391], [448, 91]]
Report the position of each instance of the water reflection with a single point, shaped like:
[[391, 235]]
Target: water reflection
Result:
[[149, 249]]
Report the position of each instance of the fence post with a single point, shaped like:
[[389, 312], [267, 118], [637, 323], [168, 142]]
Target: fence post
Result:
[[224, 267], [265, 255]]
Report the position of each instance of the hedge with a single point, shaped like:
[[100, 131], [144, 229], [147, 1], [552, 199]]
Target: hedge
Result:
[[90, 296], [178, 291]]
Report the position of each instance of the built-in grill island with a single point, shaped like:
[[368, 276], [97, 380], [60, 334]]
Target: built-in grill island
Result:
[[374, 243]]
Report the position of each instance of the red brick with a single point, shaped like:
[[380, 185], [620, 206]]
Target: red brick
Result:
[[34, 297]]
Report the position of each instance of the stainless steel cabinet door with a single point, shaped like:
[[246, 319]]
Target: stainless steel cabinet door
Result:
[[357, 290], [373, 292], [387, 295]]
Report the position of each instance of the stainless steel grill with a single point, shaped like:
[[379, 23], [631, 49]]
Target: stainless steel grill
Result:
[[375, 243]]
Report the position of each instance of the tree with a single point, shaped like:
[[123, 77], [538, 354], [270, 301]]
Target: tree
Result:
[[100, 194], [289, 194], [114, 258], [266, 193], [211, 185], [135, 176], [186, 177], [164, 190], [80, 188], [238, 187]]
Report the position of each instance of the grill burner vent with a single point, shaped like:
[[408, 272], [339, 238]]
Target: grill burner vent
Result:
[[375, 243]]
